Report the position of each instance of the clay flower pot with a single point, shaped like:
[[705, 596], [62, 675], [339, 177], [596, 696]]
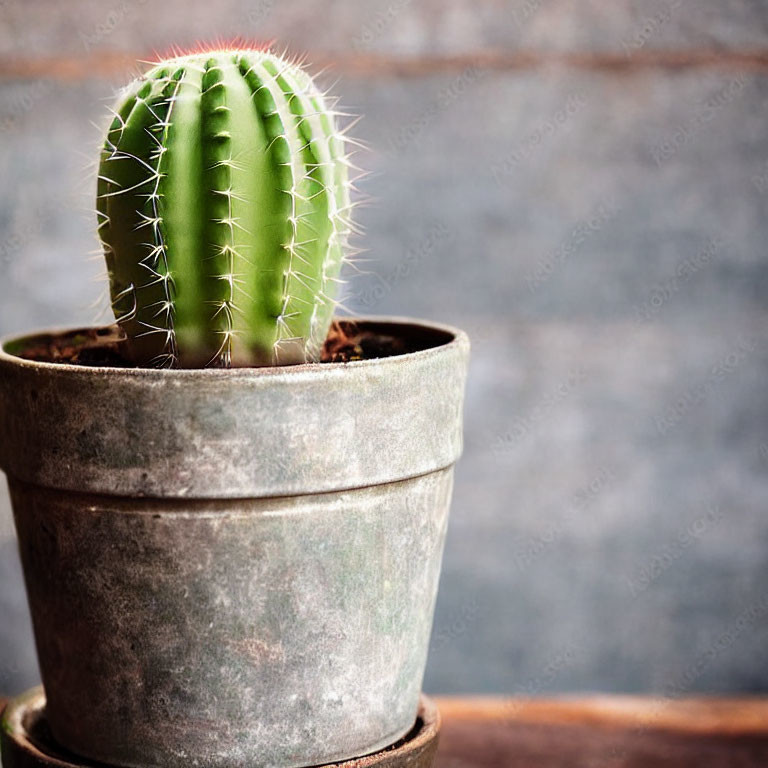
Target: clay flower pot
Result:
[[233, 567]]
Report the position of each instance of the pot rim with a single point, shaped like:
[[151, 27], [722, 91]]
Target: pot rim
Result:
[[456, 338], [274, 431]]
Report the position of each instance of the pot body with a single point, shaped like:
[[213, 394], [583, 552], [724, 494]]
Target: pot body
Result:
[[231, 568], [25, 739]]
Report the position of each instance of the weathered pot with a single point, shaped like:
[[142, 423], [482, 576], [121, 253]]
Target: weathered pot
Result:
[[25, 740], [233, 567]]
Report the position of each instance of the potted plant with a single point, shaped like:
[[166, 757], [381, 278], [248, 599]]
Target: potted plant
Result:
[[230, 507]]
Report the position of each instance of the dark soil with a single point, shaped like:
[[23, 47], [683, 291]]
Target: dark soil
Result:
[[102, 346], [347, 342], [89, 346]]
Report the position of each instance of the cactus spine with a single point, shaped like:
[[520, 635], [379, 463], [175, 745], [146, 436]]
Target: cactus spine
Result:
[[223, 204]]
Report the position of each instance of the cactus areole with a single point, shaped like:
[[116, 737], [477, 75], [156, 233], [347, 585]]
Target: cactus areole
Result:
[[223, 205]]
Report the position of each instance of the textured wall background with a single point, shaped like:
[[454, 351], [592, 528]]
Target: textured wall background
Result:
[[584, 188]]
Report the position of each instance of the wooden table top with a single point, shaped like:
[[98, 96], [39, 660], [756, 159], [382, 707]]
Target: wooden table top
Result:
[[602, 732]]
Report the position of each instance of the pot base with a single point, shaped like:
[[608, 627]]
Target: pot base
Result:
[[25, 740]]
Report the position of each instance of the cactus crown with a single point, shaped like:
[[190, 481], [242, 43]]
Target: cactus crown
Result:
[[223, 204]]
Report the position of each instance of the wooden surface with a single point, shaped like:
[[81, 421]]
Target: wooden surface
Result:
[[602, 732]]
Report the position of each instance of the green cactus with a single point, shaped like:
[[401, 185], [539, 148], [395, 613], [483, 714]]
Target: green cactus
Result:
[[224, 211]]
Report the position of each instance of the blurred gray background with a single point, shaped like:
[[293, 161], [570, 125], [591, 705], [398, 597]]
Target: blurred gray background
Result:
[[583, 187]]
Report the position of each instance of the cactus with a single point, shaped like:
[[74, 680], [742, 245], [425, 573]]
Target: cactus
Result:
[[224, 211]]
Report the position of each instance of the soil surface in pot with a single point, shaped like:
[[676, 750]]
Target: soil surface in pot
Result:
[[347, 341]]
